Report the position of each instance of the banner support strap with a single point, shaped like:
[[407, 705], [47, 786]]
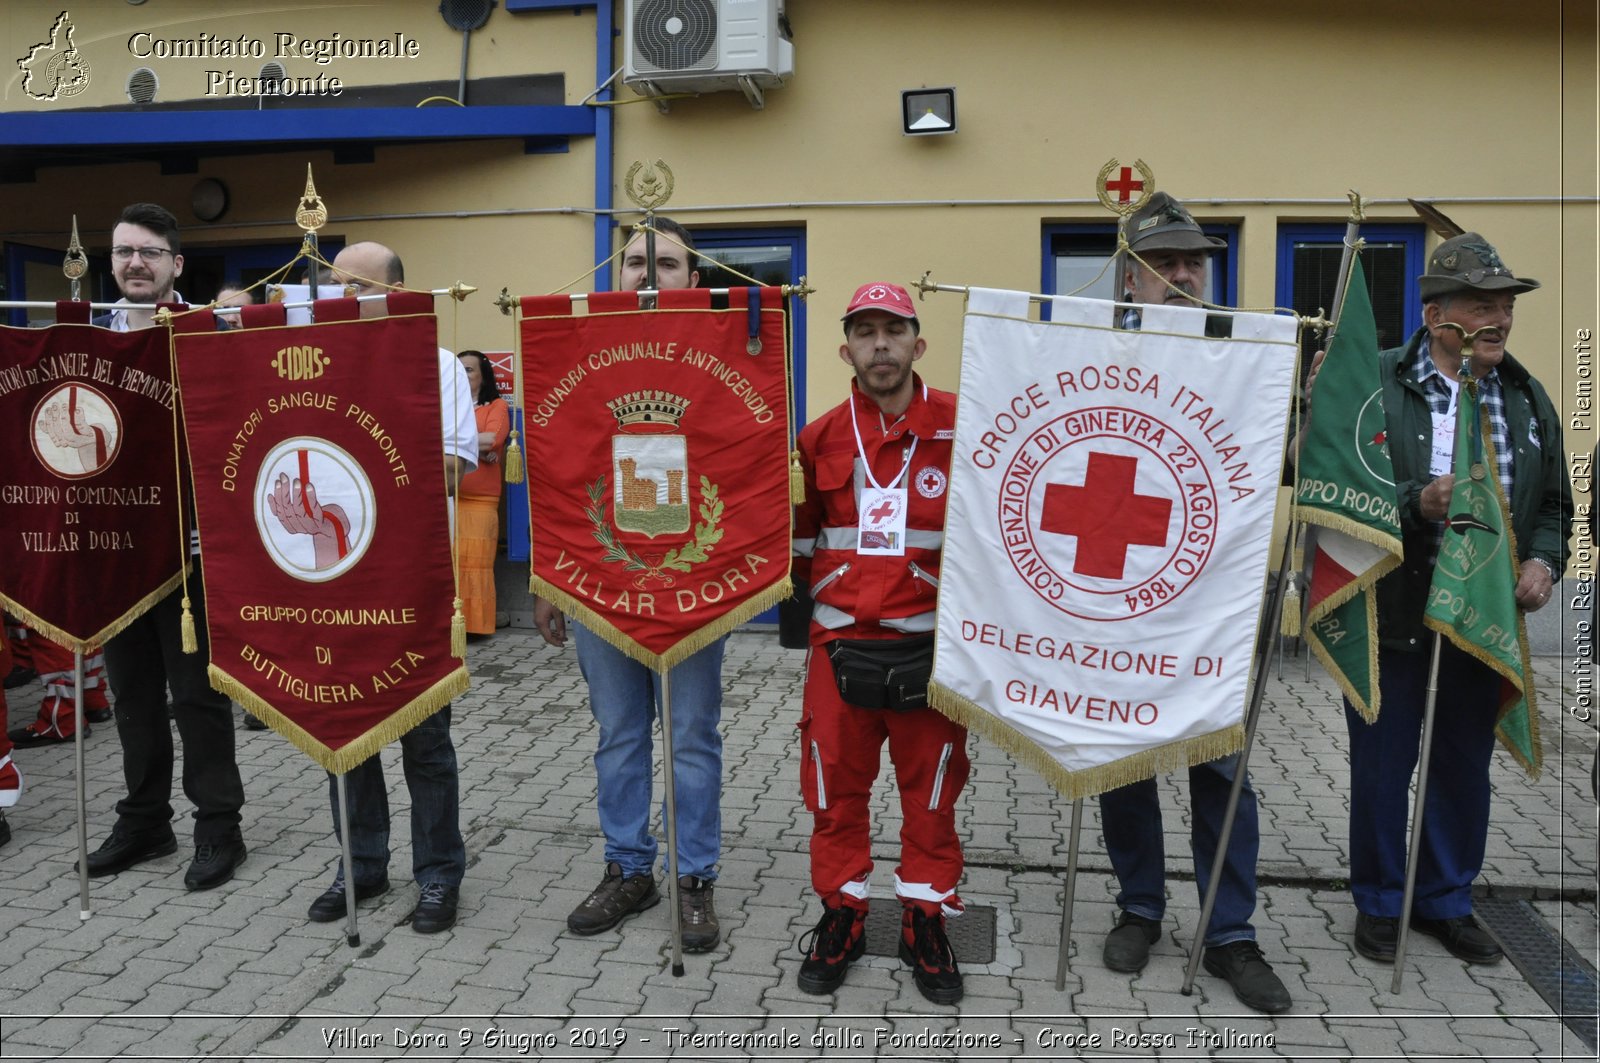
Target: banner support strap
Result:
[[77, 756], [1068, 896], [669, 780], [352, 933], [1267, 632]]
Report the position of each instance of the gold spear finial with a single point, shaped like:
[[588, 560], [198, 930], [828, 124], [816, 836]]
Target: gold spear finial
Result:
[[312, 213], [76, 264], [460, 290]]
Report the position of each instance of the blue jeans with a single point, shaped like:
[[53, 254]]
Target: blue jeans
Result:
[[625, 696], [1131, 820], [1455, 819], [437, 852]]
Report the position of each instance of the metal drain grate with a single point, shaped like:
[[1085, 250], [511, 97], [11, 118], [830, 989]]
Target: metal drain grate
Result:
[[971, 936], [1554, 968]]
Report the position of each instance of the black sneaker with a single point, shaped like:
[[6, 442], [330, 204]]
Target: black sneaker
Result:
[[123, 849], [839, 938], [436, 908], [1242, 964], [214, 863], [616, 898], [254, 723], [5, 829], [697, 915], [1465, 939], [1127, 947], [1377, 936], [933, 963], [20, 676], [330, 904]]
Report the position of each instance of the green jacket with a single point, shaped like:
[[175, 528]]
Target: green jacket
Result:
[[1541, 494]]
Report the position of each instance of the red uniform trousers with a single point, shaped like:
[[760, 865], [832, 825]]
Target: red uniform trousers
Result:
[[841, 749], [10, 778], [53, 662]]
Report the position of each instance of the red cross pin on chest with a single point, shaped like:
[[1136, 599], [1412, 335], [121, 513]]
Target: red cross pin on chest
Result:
[[1106, 514]]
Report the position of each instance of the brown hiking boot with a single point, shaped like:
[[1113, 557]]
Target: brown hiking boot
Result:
[[697, 915], [613, 900]]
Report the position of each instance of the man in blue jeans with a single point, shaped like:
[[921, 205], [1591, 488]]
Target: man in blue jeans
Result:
[[1176, 257], [427, 754], [625, 697]]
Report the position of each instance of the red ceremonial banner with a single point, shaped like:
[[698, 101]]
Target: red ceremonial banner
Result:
[[318, 469], [658, 462], [91, 507]]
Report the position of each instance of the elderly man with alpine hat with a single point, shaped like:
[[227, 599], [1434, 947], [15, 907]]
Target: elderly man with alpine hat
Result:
[[1169, 263], [1466, 288], [868, 540]]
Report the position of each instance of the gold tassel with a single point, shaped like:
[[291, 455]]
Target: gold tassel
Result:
[[1290, 621], [458, 633], [797, 479], [186, 629], [513, 461]]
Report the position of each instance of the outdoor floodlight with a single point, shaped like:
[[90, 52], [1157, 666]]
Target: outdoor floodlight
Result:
[[924, 112]]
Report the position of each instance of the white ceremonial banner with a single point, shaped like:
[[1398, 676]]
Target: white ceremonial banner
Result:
[[1107, 533]]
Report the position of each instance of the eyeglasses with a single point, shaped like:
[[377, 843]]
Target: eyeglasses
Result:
[[147, 255]]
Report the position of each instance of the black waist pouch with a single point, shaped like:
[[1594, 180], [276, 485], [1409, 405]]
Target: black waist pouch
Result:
[[883, 673]]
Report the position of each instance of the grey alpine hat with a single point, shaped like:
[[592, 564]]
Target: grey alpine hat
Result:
[[1163, 225], [1469, 263]]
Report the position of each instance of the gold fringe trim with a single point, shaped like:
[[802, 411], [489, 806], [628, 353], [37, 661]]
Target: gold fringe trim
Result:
[[514, 467], [339, 761], [1076, 785], [797, 480], [98, 639], [1355, 529], [680, 651], [1357, 698], [1353, 588]]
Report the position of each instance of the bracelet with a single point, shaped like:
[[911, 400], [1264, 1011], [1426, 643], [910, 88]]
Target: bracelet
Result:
[[1548, 567]]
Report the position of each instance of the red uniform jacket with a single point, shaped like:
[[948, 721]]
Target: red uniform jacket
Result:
[[870, 595]]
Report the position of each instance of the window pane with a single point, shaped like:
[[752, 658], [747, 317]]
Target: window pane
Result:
[[1316, 272]]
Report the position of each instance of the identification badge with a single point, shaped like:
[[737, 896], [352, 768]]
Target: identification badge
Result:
[[883, 521], [1442, 460]]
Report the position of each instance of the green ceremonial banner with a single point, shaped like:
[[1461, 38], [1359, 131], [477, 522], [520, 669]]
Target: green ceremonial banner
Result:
[[1473, 599], [1346, 491]]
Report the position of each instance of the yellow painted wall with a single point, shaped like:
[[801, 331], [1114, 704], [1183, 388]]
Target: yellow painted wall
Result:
[[1252, 112]]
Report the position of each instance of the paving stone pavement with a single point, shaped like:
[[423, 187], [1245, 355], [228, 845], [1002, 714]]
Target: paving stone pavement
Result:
[[238, 973]]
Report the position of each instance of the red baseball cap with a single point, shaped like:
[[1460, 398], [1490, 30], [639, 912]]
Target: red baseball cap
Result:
[[878, 295]]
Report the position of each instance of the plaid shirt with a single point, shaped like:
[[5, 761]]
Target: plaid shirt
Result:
[[1492, 398]]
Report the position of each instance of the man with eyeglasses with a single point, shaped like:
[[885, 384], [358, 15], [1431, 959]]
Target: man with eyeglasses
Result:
[[146, 659]]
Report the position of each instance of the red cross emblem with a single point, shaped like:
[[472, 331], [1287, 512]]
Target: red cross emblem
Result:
[[883, 512], [1124, 184], [1106, 514]]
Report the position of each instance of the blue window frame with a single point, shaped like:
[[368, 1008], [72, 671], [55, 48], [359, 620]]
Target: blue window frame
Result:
[[1308, 267], [1077, 255]]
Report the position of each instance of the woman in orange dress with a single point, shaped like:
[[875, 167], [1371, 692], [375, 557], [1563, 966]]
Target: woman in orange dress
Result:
[[478, 499]]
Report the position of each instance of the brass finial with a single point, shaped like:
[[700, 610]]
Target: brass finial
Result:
[[924, 286], [505, 302], [459, 291], [650, 190], [802, 288], [76, 264], [312, 213], [1358, 206], [1123, 203]]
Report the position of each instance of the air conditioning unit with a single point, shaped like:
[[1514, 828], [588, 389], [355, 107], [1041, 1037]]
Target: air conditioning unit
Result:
[[706, 46]]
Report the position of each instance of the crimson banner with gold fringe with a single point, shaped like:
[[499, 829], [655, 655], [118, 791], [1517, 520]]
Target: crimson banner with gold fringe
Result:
[[317, 458], [658, 461], [91, 510]]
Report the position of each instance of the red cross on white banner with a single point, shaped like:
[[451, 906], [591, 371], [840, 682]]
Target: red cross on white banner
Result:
[[1106, 514]]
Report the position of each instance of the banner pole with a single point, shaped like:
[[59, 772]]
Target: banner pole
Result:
[[1413, 852], [352, 933], [670, 781], [1068, 895], [1267, 640], [77, 756]]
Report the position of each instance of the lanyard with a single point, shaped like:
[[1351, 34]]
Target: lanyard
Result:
[[861, 451]]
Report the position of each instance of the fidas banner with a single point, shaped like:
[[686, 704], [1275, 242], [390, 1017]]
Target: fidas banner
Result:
[[91, 510], [317, 456], [658, 461], [1111, 501]]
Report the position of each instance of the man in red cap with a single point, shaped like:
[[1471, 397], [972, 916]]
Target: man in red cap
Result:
[[868, 540]]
